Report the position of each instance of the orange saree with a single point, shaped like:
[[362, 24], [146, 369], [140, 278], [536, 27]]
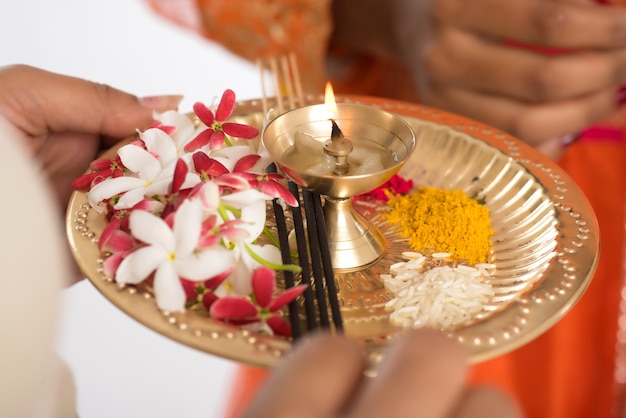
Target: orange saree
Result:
[[568, 372]]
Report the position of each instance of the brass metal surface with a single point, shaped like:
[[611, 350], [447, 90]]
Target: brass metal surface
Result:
[[354, 242], [545, 245]]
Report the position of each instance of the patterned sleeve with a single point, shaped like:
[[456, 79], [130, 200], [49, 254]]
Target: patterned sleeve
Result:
[[261, 28]]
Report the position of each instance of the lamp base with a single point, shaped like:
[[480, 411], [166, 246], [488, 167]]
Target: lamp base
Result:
[[354, 242]]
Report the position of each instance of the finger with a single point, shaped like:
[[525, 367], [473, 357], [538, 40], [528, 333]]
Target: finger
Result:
[[531, 123], [554, 148], [467, 61], [315, 381], [486, 402], [422, 375], [539, 22], [38, 102], [65, 157]]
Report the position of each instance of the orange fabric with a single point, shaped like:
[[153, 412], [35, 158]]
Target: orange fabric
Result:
[[568, 371], [248, 380], [262, 28]]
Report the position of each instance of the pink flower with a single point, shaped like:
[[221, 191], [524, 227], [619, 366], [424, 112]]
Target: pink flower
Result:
[[215, 135], [264, 306], [203, 292], [270, 184], [395, 185], [102, 168], [118, 242]]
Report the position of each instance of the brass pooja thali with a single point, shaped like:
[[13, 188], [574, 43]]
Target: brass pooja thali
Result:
[[545, 245]]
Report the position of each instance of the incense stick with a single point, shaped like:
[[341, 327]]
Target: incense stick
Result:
[[283, 242], [303, 256], [329, 275], [314, 248]]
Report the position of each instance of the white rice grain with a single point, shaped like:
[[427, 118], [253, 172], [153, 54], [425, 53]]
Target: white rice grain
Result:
[[439, 296]]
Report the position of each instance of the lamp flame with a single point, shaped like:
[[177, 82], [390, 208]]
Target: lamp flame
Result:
[[329, 101]]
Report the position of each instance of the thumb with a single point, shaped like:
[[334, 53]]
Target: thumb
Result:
[[40, 102]]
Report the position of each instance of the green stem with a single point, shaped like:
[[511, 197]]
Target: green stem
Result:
[[271, 236], [222, 211], [278, 267], [268, 233]]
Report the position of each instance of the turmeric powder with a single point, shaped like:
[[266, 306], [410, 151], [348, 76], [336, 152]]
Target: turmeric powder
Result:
[[438, 220]]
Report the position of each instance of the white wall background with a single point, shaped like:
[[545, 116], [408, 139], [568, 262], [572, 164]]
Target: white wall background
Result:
[[123, 369]]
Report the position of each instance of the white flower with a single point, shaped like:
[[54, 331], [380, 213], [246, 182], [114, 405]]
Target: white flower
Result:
[[240, 280], [184, 129], [171, 254], [182, 132], [251, 202], [153, 172]]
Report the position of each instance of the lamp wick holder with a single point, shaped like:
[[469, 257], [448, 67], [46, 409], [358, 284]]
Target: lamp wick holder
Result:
[[339, 147]]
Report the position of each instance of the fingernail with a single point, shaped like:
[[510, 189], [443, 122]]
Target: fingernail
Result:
[[168, 102], [620, 97]]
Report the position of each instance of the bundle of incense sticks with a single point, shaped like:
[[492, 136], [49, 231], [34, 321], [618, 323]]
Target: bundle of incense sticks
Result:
[[314, 258]]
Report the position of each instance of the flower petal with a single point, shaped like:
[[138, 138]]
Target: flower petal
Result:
[[183, 124], [151, 229], [208, 299], [140, 161], [232, 307], [179, 175], [203, 113], [263, 285], [274, 189], [131, 198], [216, 141], [243, 198], [205, 264], [204, 164], [254, 215], [279, 326], [199, 141], [232, 233], [239, 130], [112, 263], [234, 181], [191, 180], [102, 164], [139, 264], [190, 287], [84, 181], [168, 291], [226, 106], [159, 144], [247, 162], [187, 227], [111, 187], [118, 241], [215, 281], [209, 195], [230, 155], [238, 283], [285, 297], [113, 226]]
